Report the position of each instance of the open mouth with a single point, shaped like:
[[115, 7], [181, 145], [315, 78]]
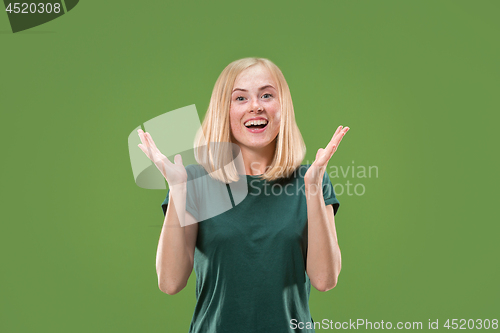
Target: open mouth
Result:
[[256, 124]]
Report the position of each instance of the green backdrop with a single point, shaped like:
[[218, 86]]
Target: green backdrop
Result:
[[416, 81]]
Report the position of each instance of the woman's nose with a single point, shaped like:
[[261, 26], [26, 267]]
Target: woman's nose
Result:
[[256, 106]]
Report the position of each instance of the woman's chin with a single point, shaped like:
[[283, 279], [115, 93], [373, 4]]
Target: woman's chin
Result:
[[259, 144]]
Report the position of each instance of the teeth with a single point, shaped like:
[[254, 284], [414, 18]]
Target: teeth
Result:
[[256, 122]]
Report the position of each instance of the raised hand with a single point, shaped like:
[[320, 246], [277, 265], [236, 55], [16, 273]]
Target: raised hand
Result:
[[314, 174], [174, 173]]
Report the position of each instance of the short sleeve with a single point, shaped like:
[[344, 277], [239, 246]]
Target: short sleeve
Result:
[[329, 194], [191, 198]]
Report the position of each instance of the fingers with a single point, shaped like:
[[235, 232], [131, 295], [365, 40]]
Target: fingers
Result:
[[146, 145], [146, 138], [178, 159], [337, 131], [341, 134], [150, 140], [332, 146], [324, 155], [147, 142], [143, 149], [141, 136], [149, 148], [337, 138], [318, 154], [335, 141], [332, 140]]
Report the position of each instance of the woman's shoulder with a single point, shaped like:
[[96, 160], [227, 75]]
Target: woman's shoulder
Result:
[[193, 167], [297, 174], [195, 171], [305, 166], [301, 170]]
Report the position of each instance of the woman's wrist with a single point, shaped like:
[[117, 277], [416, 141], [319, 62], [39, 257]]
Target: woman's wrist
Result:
[[178, 189], [313, 182], [313, 188]]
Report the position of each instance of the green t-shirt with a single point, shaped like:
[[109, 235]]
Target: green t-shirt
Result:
[[250, 254]]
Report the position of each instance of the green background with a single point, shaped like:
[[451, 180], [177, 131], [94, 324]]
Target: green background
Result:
[[416, 81]]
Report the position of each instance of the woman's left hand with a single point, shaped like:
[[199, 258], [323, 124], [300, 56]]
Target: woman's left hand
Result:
[[314, 175]]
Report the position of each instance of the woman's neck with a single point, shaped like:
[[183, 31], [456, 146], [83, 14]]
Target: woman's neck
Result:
[[256, 160]]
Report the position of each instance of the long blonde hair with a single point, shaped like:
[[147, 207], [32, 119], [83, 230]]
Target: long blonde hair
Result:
[[212, 143]]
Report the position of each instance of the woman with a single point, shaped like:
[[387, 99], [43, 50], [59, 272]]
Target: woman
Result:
[[256, 261]]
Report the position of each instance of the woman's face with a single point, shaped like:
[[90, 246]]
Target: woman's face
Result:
[[255, 109]]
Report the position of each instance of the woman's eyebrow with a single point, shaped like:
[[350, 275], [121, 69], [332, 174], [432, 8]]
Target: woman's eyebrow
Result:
[[266, 86], [261, 88]]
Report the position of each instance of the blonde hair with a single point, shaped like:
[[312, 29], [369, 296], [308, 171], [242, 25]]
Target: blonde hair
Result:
[[217, 158]]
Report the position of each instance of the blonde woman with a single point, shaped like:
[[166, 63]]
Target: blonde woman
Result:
[[256, 261]]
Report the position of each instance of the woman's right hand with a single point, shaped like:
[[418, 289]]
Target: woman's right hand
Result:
[[173, 173]]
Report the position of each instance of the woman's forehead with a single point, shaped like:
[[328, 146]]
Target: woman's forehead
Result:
[[254, 75]]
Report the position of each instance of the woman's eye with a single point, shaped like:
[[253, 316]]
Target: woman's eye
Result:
[[238, 98], [267, 95]]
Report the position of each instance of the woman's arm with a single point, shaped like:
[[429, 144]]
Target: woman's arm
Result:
[[174, 257], [175, 254], [323, 252]]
